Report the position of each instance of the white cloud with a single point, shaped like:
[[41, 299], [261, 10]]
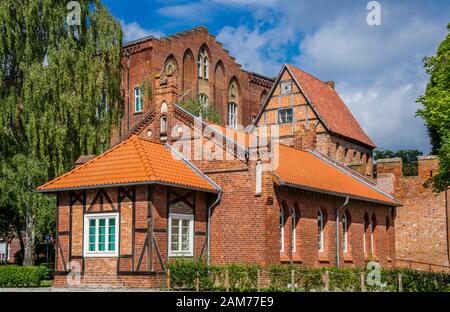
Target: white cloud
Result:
[[133, 31], [256, 50], [378, 71], [191, 12]]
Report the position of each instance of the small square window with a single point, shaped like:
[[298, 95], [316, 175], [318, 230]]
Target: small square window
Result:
[[286, 87], [285, 115]]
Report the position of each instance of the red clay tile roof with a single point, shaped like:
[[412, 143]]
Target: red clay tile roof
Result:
[[133, 161], [330, 107], [306, 170]]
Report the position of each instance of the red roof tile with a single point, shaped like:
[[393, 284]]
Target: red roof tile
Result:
[[306, 170], [133, 161], [330, 107]]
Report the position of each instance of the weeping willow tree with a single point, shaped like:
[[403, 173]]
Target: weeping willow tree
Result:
[[60, 98]]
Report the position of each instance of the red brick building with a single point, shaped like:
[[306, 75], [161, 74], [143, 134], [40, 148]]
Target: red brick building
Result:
[[124, 214], [200, 67], [422, 226]]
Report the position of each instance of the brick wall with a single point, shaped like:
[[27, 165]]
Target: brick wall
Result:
[[422, 221], [145, 60], [131, 268]]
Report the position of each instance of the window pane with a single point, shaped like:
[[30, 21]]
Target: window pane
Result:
[[185, 235], [174, 238], [92, 232]]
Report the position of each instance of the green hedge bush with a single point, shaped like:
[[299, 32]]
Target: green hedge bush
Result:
[[20, 276], [185, 274]]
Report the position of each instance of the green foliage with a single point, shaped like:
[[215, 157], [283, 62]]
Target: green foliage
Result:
[[436, 110], [185, 273], [409, 159], [60, 97], [195, 107], [18, 276], [146, 87]]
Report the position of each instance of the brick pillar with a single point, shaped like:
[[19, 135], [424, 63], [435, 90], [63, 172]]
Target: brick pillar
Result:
[[389, 174], [428, 166], [166, 91], [305, 138]]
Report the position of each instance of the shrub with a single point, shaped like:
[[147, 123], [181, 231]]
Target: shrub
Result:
[[241, 277], [18, 276], [184, 274]]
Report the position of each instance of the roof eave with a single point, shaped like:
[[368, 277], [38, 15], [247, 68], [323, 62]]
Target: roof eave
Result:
[[76, 188], [281, 182]]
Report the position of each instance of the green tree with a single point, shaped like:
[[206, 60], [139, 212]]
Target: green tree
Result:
[[409, 159], [195, 107], [60, 97], [436, 110]]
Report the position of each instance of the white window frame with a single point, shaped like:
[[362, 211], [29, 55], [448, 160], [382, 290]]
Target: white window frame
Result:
[[258, 177], [372, 234], [232, 115], [320, 223], [104, 253], [200, 66], [205, 67], [204, 100], [345, 231], [294, 230], [181, 253], [285, 113], [138, 100], [281, 230], [286, 90], [9, 252]]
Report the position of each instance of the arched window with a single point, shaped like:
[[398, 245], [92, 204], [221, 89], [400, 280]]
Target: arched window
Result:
[[199, 66], [232, 115], [164, 108], [345, 225], [163, 125], [205, 67], [203, 98], [203, 64], [320, 226], [373, 225], [366, 227], [281, 230], [293, 230]]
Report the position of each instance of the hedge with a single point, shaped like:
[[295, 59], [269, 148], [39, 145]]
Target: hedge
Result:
[[186, 274], [21, 276]]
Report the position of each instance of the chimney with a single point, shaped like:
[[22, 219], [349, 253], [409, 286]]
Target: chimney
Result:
[[305, 138], [331, 84], [82, 160]]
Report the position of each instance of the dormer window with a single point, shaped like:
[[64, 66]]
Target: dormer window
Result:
[[286, 87]]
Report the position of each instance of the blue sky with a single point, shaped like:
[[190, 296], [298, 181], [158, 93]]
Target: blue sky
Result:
[[377, 69]]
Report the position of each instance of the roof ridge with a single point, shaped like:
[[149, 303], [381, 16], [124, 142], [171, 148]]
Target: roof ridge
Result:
[[311, 75], [114, 147], [145, 161]]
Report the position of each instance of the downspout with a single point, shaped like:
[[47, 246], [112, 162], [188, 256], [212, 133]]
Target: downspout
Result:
[[128, 91], [208, 241], [448, 225], [337, 231]]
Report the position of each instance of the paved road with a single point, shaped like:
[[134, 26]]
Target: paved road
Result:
[[86, 289]]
